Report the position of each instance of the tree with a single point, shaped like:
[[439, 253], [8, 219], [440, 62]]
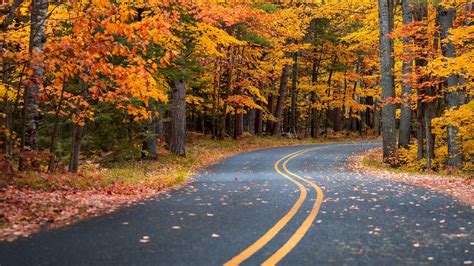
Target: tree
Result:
[[29, 135], [455, 96], [177, 140], [405, 117], [150, 144], [281, 99], [294, 85], [387, 79]]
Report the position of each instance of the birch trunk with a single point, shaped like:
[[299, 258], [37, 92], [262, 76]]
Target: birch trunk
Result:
[[407, 65], [387, 82]]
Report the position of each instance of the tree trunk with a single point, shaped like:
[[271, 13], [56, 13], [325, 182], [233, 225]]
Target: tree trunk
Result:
[[281, 100], [215, 99], [387, 83], [429, 136], [294, 85], [269, 126], [420, 13], [251, 116], [314, 117], [238, 124], [314, 120], [453, 98], [54, 136], [258, 121], [7, 138], [376, 118], [223, 123], [77, 134], [419, 130], [336, 119], [407, 65], [178, 118], [29, 135], [8, 125], [149, 144], [160, 131]]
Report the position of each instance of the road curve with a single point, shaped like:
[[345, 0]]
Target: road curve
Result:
[[294, 205]]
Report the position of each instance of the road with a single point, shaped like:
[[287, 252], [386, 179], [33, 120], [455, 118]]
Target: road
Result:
[[294, 205]]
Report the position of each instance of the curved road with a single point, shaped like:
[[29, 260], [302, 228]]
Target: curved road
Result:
[[291, 205]]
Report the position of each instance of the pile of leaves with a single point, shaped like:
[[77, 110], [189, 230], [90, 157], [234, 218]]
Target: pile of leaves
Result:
[[25, 211]]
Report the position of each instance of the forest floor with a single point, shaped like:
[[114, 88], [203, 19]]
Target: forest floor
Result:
[[33, 201], [458, 186]]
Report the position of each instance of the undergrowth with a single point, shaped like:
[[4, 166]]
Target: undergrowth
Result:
[[168, 170]]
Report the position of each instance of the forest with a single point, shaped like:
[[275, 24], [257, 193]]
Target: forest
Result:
[[81, 79], [211, 132]]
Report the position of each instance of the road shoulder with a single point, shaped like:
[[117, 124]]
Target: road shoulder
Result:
[[460, 188]]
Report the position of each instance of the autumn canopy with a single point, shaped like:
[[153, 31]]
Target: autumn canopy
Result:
[[82, 78]]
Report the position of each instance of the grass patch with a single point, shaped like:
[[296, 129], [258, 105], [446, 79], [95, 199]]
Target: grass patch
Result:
[[170, 170]]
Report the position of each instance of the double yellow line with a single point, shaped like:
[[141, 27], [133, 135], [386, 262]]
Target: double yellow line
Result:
[[304, 227]]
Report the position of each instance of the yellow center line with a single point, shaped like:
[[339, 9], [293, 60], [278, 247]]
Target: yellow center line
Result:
[[263, 240], [301, 231]]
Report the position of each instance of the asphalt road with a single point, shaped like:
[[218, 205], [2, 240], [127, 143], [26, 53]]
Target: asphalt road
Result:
[[248, 210]]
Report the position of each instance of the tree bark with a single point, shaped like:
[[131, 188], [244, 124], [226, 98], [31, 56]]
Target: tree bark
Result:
[[420, 13], [429, 136], [376, 118], [54, 136], [294, 85], [238, 124], [314, 120], [149, 144], [314, 125], [407, 65], [77, 134], [178, 118], [388, 90], [453, 98], [281, 100], [223, 123], [419, 130], [160, 131], [39, 13], [215, 98], [29, 135], [251, 116], [258, 121], [269, 126]]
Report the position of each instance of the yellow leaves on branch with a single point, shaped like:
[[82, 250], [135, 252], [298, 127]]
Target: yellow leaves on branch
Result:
[[240, 102], [462, 119], [212, 40]]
